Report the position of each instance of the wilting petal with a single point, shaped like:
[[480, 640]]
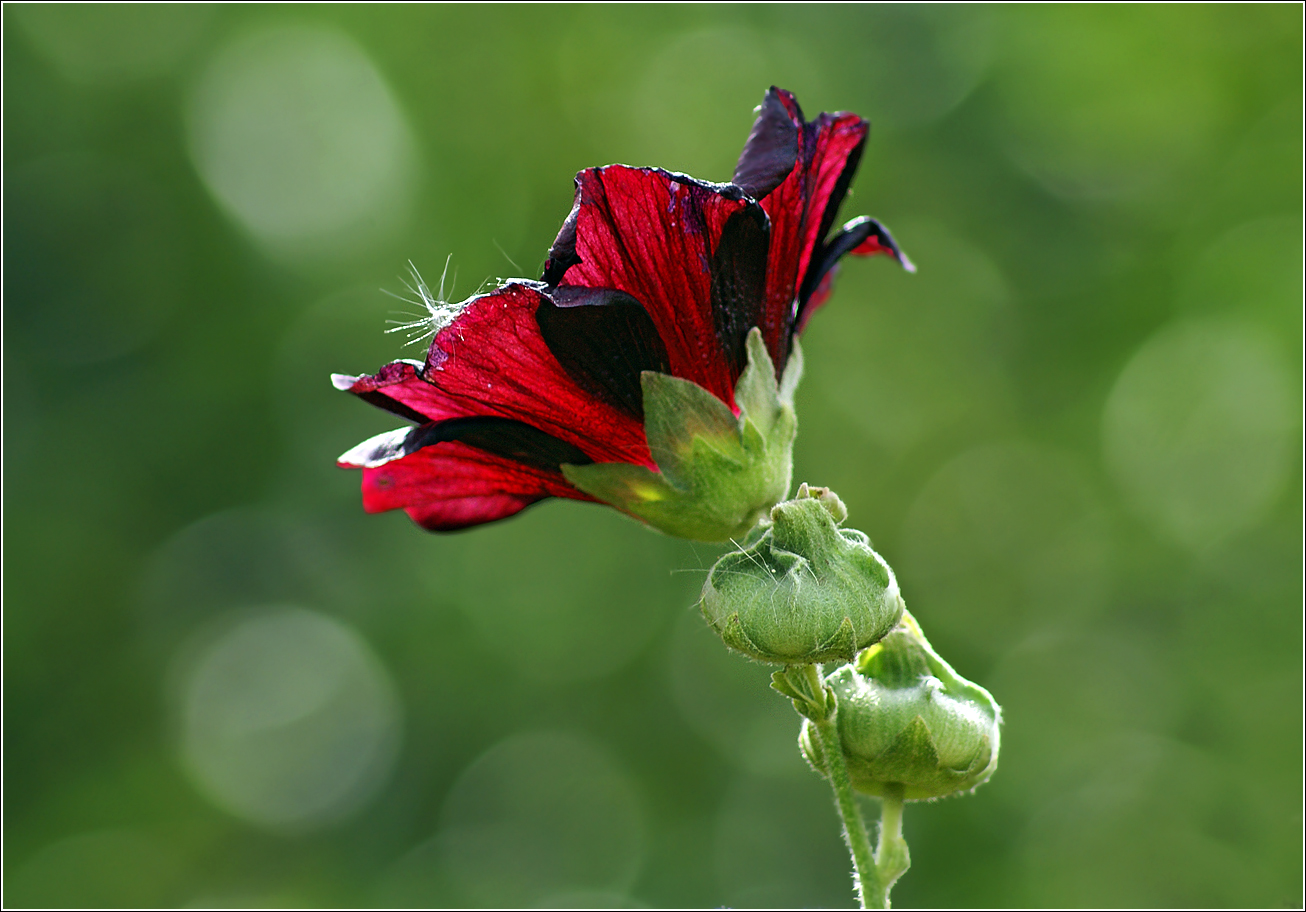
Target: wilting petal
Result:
[[655, 235], [802, 209], [397, 387], [877, 240], [451, 485], [863, 236], [492, 360]]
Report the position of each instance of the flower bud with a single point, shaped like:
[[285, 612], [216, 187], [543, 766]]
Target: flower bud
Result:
[[806, 591], [906, 719]]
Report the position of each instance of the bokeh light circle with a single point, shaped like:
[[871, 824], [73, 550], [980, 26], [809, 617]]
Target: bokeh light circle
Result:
[[298, 137], [1196, 429], [243, 556], [288, 719]]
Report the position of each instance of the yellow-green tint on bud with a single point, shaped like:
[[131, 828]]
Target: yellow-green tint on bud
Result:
[[907, 720], [806, 591], [718, 474]]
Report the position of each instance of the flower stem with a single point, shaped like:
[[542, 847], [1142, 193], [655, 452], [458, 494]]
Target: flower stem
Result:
[[874, 873], [854, 830], [891, 856]]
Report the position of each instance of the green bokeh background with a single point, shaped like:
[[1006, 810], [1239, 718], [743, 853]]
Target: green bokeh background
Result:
[[1074, 434]]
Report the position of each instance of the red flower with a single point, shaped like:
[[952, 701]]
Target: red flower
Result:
[[590, 383]]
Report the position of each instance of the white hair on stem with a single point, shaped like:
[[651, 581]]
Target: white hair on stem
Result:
[[439, 311]]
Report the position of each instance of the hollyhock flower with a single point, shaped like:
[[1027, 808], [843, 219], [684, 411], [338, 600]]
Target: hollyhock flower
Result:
[[653, 365]]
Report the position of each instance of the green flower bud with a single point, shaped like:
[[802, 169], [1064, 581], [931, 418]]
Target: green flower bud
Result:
[[906, 719], [805, 591], [717, 474]]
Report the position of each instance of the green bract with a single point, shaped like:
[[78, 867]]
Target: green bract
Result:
[[806, 591], [906, 718], [718, 474]]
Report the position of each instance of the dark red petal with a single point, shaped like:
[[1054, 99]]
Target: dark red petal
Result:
[[771, 150], [840, 142], [492, 360], [653, 234], [452, 485], [499, 436], [816, 299], [460, 513], [413, 405], [863, 236], [802, 209], [604, 339]]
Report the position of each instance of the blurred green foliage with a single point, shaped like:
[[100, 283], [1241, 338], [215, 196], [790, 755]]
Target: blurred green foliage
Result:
[[1074, 434]]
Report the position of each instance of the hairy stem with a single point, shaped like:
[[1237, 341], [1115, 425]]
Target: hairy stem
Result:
[[891, 856], [854, 830]]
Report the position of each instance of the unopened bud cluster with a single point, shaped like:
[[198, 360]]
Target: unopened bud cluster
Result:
[[807, 591]]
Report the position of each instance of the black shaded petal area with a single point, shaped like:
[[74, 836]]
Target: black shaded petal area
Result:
[[504, 437], [739, 281], [771, 149], [604, 339], [562, 255]]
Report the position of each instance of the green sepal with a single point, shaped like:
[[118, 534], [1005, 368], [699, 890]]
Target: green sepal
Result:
[[842, 643], [682, 422], [756, 394], [913, 749], [780, 684], [793, 373], [732, 633], [717, 474], [803, 685], [620, 482]]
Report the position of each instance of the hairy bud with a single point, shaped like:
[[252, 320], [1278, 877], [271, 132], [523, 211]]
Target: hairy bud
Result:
[[806, 591], [907, 720]]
